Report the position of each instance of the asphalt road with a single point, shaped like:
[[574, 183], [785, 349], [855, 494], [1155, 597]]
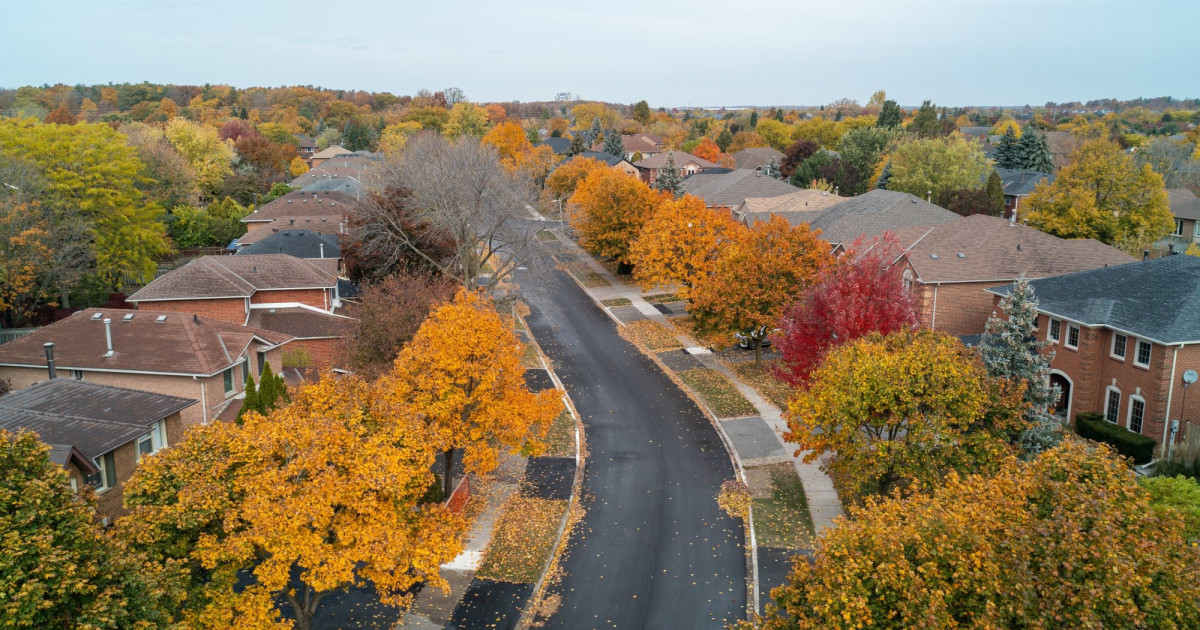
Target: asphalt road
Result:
[[654, 550]]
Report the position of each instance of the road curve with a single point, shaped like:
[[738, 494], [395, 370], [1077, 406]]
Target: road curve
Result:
[[653, 551]]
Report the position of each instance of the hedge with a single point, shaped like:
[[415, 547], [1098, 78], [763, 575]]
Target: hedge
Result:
[[1093, 426]]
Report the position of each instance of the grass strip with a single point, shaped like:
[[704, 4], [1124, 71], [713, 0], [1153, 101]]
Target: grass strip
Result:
[[782, 519], [560, 439], [652, 335], [762, 380], [616, 302], [719, 394], [523, 540], [661, 298]]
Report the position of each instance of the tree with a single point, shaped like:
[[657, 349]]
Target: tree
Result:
[[668, 179], [517, 154], [323, 494], [608, 211], [755, 274], [462, 377], [811, 169], [592, 135], [707, 150], [298, 166], [897, 413], [862, 149], [680, 243], [1008, 151], [1103, 195], [1035, 152], [612, 144], [994, 188], [579, 144], [966, 202], [890, 116], [921, 165], [724, 140], [586, 113], [925, 122], [361, 136], [265, 398], [1010, 349], [641, 112], [170, 179], [1065, 541], [778, 134], [1179, 495], [566, 178], [861, 293], [60, 116], [754, 119], [466, 119], [211, 158], [58, 569], [797, 153], [392, 310], [1177, 162]]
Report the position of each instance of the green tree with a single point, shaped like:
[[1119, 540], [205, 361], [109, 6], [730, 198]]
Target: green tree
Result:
[[724, 139], [810, 169], [1035, 152], [641, 112], [360, 136], [995, 193], [612, 144], [190, 227], [890, 116], [1179, 495], [925, 122], [1008, 151], [754, 119], [920, 165], [578, 144], [668, 179], [210, 157], [863, 147]]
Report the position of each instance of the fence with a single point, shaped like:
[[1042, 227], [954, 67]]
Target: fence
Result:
[[13, 334]]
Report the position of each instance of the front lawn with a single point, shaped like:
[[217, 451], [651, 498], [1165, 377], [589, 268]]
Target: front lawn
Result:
[[719, 394], [523, 540]]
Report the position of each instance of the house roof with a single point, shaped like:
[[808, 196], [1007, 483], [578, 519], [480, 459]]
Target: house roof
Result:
[[323, 224], [302, 202], [347, 165], [729, 189], [981, 248], [302, 323], [1184, 204], [65, 454], [644, 143], [1020, 183], [795, 207], [234, 276], [975, 132], [1156, 299], [659, 160], [559, 145], [179, 344], [352, 187], [329, 152], [607, 158], [876, 212], [303, 141], [295, 242], [755, 157]]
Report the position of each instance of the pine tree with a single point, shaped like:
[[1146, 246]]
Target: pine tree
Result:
[[1007, 153], [724, 139], [890, 115], [272, 392], [594, 133], [925, 121], [578, 144], [668, 178], [1035, 152], [612, 143], [250, 403], [1010, 349], [884, 177], [995, 193], [754, 120]]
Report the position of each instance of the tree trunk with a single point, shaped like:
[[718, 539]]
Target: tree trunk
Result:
[[757, 351], [448, 478]]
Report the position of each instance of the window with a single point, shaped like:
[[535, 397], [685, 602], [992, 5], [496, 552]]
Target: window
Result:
[[1137, 411], [153, 441], [1072, 336], [1143, 353], [245, 372], [78, 374], [107, 478], [227, 376], [262, 362], [1118, 346], [1112, 410], [74, 485], [1055, 332], [1196, 230], [1178, 227], [908, 280]]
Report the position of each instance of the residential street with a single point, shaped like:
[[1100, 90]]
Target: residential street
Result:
[[653, 550]]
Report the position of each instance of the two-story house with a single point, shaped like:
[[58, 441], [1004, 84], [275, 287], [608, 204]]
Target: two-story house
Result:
[[1123, 337], [281, 212], [685, 164]]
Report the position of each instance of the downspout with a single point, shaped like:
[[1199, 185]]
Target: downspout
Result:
[[1170, 394], [203, 400], [933, 322]]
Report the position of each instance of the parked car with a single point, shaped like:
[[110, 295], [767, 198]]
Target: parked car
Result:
[[745, 340]]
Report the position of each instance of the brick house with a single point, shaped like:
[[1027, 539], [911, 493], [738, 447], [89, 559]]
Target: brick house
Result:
[[1186, 209], [948, 266], [256, 290], [97, 432], [1122, 339], [162, 352], [326, 154], [873, 213], [686, 163], [332, 205], [1017, 185]]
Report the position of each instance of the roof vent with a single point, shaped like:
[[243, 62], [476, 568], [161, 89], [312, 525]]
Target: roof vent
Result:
[[961, 255], [289, 201], [933, 256], [1018, 247], [914, 200], [96, 316], [128, 317], [160, 319], [270, 311]]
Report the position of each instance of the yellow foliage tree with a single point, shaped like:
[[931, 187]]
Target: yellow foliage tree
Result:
[[566, 178], [680, 244], [210, 157], [466, 118], [298, 166], [585, 113], [1002, 126], [608, 210], [168, 108], [395, 136], [777, 134]]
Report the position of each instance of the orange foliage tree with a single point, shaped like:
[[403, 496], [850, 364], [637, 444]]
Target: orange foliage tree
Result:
[[766, 267], [461, 375], [680, 244], [517, 154], [707, 150], [609, 209], [326, 493], [561, 184]]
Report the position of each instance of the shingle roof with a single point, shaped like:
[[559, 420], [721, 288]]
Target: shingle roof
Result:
[[1184, 204], [302, 323], [344, 166], [180, 344], [644, 143], [981, 248], [305, 203], [681, 158], [607, 158], [352, 187], [303, 141], [795, 207], [755, 157], [1156, 299], [234, 276], [731, 188], [329, 152], [1020, 183], [560, 146], [324, 224], [298, 243], [876, 212]]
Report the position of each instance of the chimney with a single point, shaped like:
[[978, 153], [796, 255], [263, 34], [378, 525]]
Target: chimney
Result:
[[108, 336], [49, 346], [1145, 255], [322, 246]]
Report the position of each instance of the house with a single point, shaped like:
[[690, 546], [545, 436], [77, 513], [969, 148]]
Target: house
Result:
[[647, 144], [355, 167], [347, 185], [1019, 184], [305, 146], [1123, 337], [324, 155], [317, 248], [721, 188], [757, 158], [98, 433], [236, 288], [560, 145], [300, 204], [1186, 208], [161, 352], [875, 212], [617, 163], [949, 266], [686, 163], [796, 207]]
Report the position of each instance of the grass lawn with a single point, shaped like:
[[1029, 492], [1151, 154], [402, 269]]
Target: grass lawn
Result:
[[531, 359], [586, 276], [616, 302], [560, 440], [781, 518], [523, 540], [546, 235], [720, 395], [762, 380], [659, 298], [652, 335]]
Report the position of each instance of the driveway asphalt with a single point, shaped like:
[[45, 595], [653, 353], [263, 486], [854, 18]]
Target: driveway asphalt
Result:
[[653, 550]]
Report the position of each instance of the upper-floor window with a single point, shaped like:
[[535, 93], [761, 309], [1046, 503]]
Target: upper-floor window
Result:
[[78, 374], [1142, 357], [227, 377], [107, 478], [1072, 336], [1112, 408], [153, 441], [1118, 346], [1055, 332], [1137, 412]]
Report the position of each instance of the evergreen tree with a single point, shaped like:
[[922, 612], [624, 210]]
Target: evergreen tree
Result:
[[1010, 349], [890, 115], [995, 193], [250, 403], [754, 120], [884, 177], [637, 157], [578, 144], [668, 178], [594, 133], [1007, 153], [925, 122], [724, 139], [1035, 152], [272, 392], [772, 170], [612, 143], [779, 114]]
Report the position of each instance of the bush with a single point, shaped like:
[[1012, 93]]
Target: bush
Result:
[[1178, 494], [1093, 426]]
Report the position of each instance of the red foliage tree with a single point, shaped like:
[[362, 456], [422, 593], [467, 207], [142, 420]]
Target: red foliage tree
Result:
[[863, 293], [235, 129], [800, 150]]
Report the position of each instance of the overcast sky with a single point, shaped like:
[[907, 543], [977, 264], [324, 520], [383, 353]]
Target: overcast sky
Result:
[[698, 52]]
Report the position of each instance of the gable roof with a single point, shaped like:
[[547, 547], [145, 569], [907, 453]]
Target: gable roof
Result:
[[180, 344], [212, 277], [302, 323], [731, 188], [352, 187], [1020, 183], [299, 243], [644, 143], [347, 165], [659, 160], [1184, 204], [319, 224], [329, 152], [755, 157], [795, 207], [876, 212], [607, 158], [305, 203], [559, 145], [1155, 299], [305, 142], [981, 248]]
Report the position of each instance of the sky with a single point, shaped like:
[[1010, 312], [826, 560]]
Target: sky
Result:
[[696, 53]]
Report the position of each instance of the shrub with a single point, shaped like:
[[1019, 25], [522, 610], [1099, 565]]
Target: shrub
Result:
[[1093, 426]]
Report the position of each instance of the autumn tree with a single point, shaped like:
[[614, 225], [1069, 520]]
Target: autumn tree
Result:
[[897, 413], [863, 148], [680, 243], [641, 112], [1103, 195], [58, 568], [466, 118], [563, 181], [211, 158], [297, 166], [920, 165], [755, 275], [925, 122], [795, 155], [462, 377], [707, 150], [863, 292], [608, 210], [392, 310], [517, 154], [1065, 541], [746, 140], [323, 494], [586, 114]]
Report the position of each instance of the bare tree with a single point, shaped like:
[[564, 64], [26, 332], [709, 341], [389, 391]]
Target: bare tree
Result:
[[437, 193]]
